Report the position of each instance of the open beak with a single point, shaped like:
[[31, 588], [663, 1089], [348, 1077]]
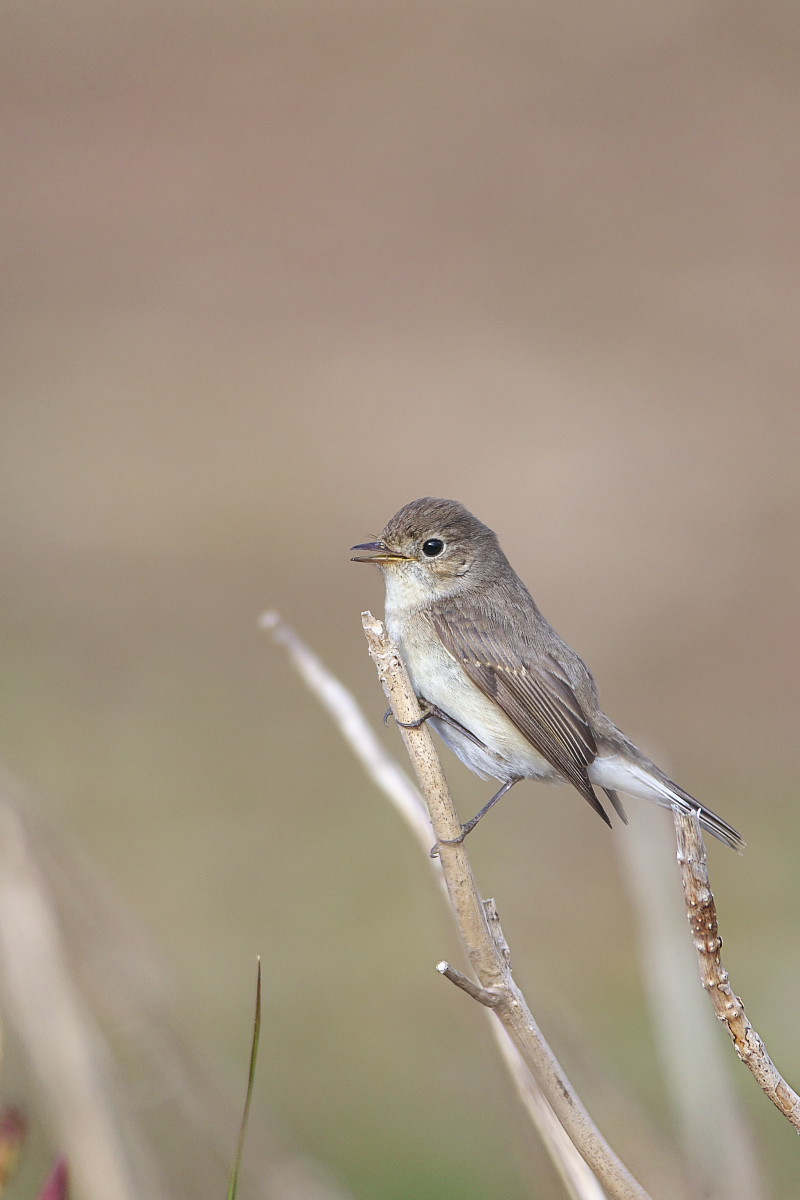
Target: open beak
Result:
[[379, 553]]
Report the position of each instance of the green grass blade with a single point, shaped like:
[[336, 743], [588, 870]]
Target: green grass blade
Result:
[[234, 1183]]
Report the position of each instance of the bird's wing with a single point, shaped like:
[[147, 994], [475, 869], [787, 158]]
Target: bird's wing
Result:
[[537, 697]]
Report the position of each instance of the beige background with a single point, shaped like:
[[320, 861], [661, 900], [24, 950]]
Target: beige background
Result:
[[273, 270]]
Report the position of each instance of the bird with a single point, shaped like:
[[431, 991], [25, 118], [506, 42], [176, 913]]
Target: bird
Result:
[[494, 678]]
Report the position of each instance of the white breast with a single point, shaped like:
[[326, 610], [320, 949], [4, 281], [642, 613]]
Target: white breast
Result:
[[440, 679]]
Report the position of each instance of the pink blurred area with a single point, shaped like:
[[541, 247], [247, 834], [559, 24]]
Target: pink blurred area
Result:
[[270, 272]]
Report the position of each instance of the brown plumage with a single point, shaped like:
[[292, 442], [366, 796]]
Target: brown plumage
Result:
[[482, 655]]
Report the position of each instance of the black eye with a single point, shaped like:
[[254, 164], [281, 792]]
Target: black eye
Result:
[[432, 547]]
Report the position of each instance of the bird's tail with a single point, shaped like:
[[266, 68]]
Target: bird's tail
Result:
[[708, 819], [637, 776]]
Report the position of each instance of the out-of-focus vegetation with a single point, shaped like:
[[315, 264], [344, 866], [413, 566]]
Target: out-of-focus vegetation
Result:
[[271, 272]]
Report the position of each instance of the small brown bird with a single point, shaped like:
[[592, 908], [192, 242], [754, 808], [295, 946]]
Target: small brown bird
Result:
[[499, 685]]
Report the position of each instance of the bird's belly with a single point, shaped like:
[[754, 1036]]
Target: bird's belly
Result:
[[504, 753]]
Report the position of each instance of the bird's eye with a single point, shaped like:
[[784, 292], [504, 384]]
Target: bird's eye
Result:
[[432, 548]]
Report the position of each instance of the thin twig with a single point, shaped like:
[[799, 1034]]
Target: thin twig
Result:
[[489, 999], [717, 1141], [579, 1181], [702, 913]]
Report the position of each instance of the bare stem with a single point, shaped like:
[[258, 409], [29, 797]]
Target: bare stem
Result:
[[488, 962], [579, 1181], [702, 912]]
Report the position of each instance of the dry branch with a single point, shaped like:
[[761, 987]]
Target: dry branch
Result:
[[721, 1159], [544, 1088], [488, 961], [579, 1181], [518, 1038], [702, 912]]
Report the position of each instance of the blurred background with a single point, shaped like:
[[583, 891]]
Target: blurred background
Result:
[[271, 271]]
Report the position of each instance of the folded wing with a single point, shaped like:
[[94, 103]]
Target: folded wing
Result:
[[535, 696]]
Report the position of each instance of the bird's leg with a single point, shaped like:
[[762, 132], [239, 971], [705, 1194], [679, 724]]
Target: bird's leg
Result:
[[433, 710], [470, 825]]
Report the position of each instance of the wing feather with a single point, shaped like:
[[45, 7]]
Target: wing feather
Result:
[[536, 696]]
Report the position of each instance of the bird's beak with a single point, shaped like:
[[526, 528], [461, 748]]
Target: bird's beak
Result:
[[379, 553]]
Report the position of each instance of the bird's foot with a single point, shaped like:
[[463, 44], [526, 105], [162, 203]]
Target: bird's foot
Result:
[[426, 715], [465, 829]]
